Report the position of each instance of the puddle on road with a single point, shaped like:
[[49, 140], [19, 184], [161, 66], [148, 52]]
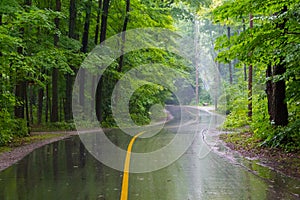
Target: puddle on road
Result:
[[284, 187], [61, 170]]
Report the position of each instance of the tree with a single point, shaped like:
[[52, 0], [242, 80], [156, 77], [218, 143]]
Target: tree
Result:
[[276, 90], [123, 35], [229, 64], [69, 77], [21, 85], [55, 71], [271, 47], [98, 22], [99, 93], [261, 43], [196, 43], [250, 79], [84, 49]]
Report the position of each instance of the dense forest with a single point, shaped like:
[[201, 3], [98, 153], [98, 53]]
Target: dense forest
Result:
[[253, 45], [268, 49]]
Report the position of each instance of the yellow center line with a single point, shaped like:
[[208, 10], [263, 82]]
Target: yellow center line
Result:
[[124, 192]]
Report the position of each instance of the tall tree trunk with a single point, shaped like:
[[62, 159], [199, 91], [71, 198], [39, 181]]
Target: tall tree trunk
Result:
[[196, 43], [99, 90], [98, 22], [26, 109], [123, 41], [47, 103], [277, 107], [269, 91], [123, 35], [250, 80], [72, 19], [280, 111], [54, 106], [20, 88], [97, 29], [104, 20], [40, 105], [61, 109], [245, 67], [217, 88], [68, 101], [20, 96], [31, 103], [1, 22], [276, 91], [70, 77], [55, 71], [84, 49], [229, 64]]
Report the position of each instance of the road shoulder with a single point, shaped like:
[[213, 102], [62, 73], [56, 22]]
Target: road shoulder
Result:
[[8, 158], [240, 144]]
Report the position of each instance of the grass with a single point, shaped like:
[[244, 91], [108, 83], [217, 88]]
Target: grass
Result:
[[240, 141], [58, 126], [16, 142], [285, 162], [5, 149]]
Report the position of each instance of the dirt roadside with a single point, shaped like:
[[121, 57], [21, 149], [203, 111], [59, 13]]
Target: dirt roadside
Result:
[[17, 153], [286, 163]]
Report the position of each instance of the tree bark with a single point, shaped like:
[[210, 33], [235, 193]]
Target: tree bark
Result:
[[250, 80], [31, 103], [280, 111], [229, 64], [69, 77], [96, 42], [217, 88], [72, 19], [55, 71], [85, 36], [84, 49], [276, 90], [196, 43], [104, 20], [20, 88], [47, 103], [269, 91], [98, 22], [1, 22], [20, 96], [54, 107], [99, 90], [245, 67], [26, 108], [277, 107], [123, 35], [40, 105]]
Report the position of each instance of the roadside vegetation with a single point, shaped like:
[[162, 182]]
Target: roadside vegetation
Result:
[[44, 42], [263, 99], [252, 45], [21, 141]]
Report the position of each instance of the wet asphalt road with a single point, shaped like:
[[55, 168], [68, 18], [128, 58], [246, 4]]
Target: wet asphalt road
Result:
[[66, 169]]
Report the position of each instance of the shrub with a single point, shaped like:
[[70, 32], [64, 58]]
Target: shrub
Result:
[[287, 138], [11, 128]]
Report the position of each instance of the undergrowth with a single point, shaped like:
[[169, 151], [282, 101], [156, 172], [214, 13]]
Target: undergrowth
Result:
[[260, 127]]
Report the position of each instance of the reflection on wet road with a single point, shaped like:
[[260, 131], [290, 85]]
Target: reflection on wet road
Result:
[[66, 170]]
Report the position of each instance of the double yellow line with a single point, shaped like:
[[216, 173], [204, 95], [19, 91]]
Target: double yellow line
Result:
[[124, 192]]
